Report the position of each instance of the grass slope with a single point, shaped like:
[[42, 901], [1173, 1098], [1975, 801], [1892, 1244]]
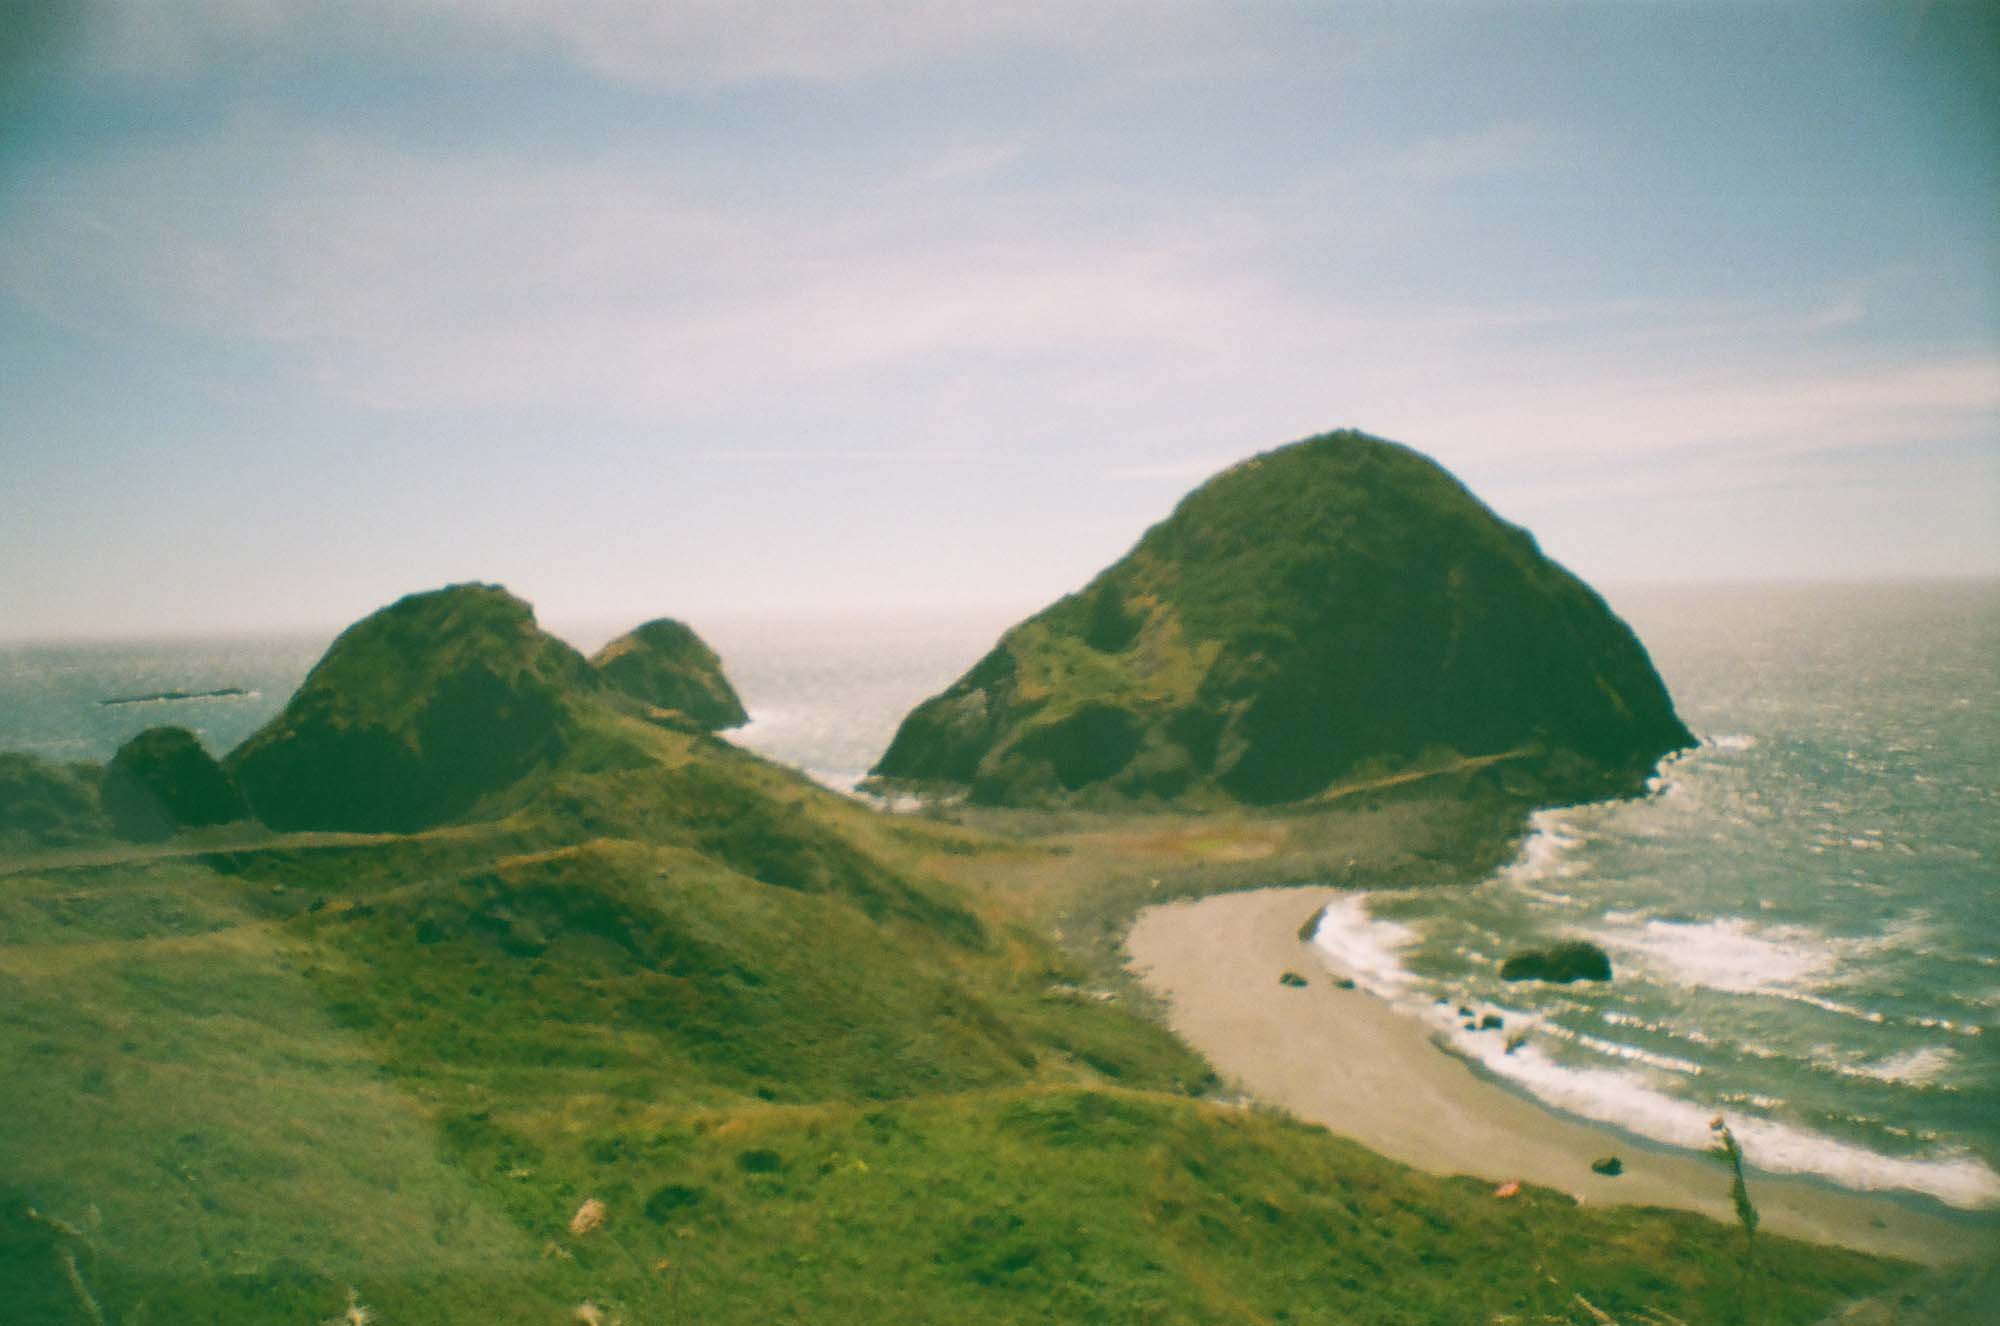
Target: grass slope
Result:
[[807, 1076]]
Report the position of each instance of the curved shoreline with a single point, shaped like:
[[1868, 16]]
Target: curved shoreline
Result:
[[1349, 1061]]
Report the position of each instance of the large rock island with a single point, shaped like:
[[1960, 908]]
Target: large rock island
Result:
[[1335, 610], [414, 714], [666, 665]]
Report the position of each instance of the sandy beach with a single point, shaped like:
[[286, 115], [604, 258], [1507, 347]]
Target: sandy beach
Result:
[[1347, 1060]]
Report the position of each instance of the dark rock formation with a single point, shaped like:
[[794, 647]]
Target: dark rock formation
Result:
[[1609, 1166], [225, 693], [414, 714], [163, 780], [666, 665], [48, 805], [1574, 960], [1329, 612]]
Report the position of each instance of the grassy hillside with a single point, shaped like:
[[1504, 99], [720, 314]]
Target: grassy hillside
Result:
[[48, 805], [807, 1077], [642, 1028]]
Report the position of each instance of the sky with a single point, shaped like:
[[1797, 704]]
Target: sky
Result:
[[685, 307]]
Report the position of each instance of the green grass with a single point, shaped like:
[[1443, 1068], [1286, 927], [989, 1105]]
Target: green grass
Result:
[[811, 1077]]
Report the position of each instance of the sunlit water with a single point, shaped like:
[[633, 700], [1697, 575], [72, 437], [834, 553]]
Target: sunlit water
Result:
[[1802, 918]]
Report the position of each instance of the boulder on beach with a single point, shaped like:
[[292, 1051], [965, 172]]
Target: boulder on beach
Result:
[[666, 665], [1574, 960], [415, 713], [1332, 613], [164, 780]]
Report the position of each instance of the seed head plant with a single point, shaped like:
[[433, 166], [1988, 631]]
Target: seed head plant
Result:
[[1727, 1150]]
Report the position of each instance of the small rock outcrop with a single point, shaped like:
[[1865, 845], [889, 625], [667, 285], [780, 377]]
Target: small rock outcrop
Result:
[[414, 714], [666, 665], [1335, 611], [164, 780], [1574, 960]]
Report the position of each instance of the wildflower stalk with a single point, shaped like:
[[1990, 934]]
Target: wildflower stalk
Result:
[[1731, 1154]]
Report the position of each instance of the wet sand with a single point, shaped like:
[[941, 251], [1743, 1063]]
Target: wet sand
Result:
[[1347, 1060]]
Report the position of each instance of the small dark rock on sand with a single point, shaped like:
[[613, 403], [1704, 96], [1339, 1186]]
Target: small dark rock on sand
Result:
[[1609, 1166], [1292, 979]]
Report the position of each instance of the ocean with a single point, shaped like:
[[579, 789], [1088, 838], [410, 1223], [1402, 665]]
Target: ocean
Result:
[[1800, 917]]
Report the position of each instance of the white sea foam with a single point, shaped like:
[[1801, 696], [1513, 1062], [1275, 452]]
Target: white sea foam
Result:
[[1545, 854], [1626, 1099], [1629, 1085], [1728, 953], [1369, 949], [1614, 1017], [1362, 947], [1733, 741], [1919, 1067], [1946, 1024], [1829, 1005], [1634, 1054]]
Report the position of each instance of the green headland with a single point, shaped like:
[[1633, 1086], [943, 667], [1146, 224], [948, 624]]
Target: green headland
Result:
[[1331, 612]]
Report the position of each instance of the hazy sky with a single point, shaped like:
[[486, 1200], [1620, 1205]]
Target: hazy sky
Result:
[[656, 307]]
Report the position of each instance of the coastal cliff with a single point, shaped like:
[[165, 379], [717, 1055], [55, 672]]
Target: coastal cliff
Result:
[[1335, 610]]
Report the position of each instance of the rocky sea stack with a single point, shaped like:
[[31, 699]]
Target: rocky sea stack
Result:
[[1336, 610], [163, 780], [666, 665], [414, 714]]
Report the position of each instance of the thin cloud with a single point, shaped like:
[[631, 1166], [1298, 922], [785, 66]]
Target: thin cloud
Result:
[[1797, 412], [972, 160], [400, 281], [411, 282], [666, 43], [1498, 149]]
